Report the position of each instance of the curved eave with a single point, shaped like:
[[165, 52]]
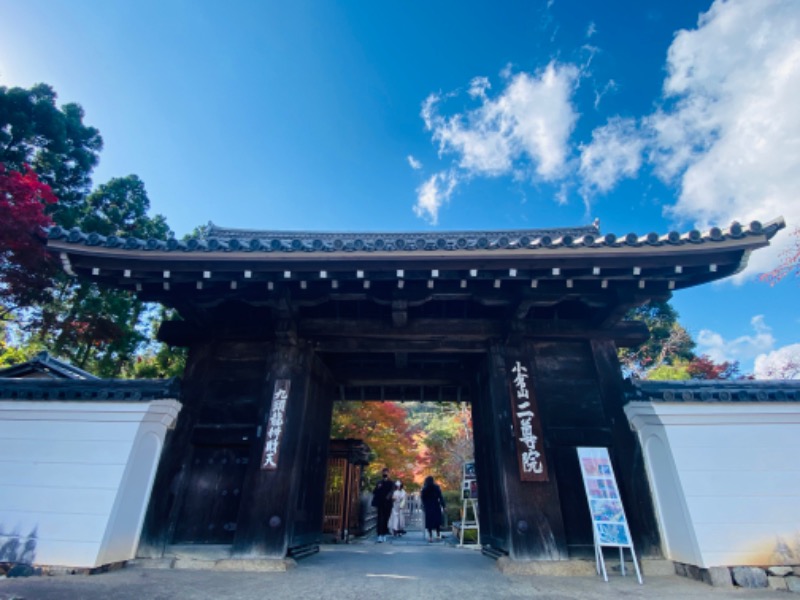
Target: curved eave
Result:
[[667, 266], [265, 242]]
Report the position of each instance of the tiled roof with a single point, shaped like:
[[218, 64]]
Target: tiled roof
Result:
[[743, 390], [97, 390], [236, 240], [45, 366]]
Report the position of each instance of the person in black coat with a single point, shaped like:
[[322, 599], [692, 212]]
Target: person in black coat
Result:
[[382, 500], [432, 505]]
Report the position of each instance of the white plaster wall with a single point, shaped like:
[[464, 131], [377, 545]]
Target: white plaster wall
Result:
[[75, 477], [725, 478]]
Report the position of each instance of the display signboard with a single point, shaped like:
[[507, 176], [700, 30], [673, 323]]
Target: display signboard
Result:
[[609, 525], [527, 427], [469, 482], [469, 494]]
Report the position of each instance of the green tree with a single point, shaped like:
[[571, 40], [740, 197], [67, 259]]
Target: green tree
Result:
[[98, 330], [668, 342], [62, 151], [102, 330], [54, 141], [668, 354], [120, 207], [677, 371], [698, 368], [157, 360], [12, 353], [161, 363]]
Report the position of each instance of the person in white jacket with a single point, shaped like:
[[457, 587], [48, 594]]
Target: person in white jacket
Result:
[[397, 520]]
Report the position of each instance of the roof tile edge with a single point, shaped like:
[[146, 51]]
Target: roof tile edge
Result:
[[227, 240]]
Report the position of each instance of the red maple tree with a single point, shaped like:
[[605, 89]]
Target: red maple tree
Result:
[[789, 262], [385, 429], [25, 269], [702, 367]]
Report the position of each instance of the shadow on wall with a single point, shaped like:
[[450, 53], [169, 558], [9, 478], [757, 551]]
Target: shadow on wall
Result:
[[787, 551], [16, 549]]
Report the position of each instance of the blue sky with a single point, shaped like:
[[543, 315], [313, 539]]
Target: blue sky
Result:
[[650, 115]]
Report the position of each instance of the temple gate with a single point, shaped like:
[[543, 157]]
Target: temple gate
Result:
[[524, 325]]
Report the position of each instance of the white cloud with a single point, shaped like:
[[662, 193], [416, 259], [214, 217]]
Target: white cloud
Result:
[[743, 348], [432, 194], [783, 363], [727, 134], [526, 126], [562, 196], [478, 87], [414, 163], [614, 152], [591, 30], [730, 133], [610, 86]]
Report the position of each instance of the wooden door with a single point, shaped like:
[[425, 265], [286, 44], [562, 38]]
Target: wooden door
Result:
[[212, 497]]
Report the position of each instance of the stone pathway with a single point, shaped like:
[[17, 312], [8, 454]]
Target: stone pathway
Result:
[[400, 569]]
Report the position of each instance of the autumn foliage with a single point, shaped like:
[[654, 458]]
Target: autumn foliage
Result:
[[702, 367], [444, 444], [24, 267], [413, 440], [383, 426], [789, 262]]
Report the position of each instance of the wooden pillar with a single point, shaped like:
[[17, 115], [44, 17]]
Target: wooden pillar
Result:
[[533, 525], [169, 486], [627, 454], [567, 386], [491, 496], [282, 505], [312, 467]]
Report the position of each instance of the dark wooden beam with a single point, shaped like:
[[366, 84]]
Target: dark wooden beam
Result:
[[523, 308], [400, 313], [404, 393], [419, 329], [419, 335], [463, 336], [351, 345], [357, 375], [401, 360], [367, 381]]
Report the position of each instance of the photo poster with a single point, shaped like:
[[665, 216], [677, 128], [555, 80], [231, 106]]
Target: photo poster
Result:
[[469, 482], [605, 504]]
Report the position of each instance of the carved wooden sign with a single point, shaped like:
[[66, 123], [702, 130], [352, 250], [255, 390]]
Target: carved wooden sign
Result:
[[527, 427], [274, 433]]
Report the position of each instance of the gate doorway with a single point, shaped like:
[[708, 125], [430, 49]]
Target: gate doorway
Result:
[[406, 407], [555, 509]]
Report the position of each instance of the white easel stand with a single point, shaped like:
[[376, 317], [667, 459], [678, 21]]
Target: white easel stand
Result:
[[600, 562], [469, 502]]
